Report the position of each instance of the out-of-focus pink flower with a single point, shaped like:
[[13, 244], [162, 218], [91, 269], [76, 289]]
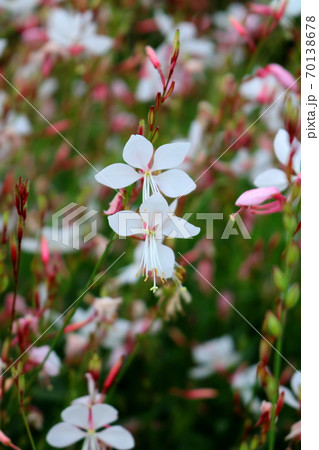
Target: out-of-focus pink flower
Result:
[[195, 394], [36, 35], [254, 199], [57, 127], [295, 432], [100, 92], [282, 76], [44, 249]]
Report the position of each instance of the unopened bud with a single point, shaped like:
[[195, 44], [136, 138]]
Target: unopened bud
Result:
[[292, 296], [141, 127], [279, 279], [176, 47], [151, 117], [280, 403], [255, 443], [155, 135], [290, 223], [13, 250], [271, 389], [170, 91], [45, 252], [95, 365], [158, 101], [244, 446], [292, 254], [153, 57], [272, 325], [20, 229], [5, 226], [112, 374], [264, 351]]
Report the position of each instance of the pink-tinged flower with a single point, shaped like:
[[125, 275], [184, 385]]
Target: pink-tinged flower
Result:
[[106, 307], [293, 396], [282, 75], [76, 32], [52, 365], [92, 425], [289, 155], [154, 221], [295, 432], [254, 199], [138, 153], [214, 356]]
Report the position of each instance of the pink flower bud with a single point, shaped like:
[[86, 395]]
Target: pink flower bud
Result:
[[57, 127], [112, 374], [153, 57], [45, 252], [195, 394]]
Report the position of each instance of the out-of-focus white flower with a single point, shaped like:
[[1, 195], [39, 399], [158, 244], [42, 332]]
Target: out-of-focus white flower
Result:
[[106, 307], [3, 44], [284, 151], [138, 153], [51, 366], [32, 245], [190, 45], [76, 31], [19, 6], [245, 381], [213, 356], [154, 221], [249, 164], [293, 396], [92, 425]]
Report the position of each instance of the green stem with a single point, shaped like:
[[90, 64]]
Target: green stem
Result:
[[27, 428]]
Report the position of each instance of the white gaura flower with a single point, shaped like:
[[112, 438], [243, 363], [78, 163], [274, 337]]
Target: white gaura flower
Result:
[[154, 221], [138, 152], [284, 150], [76, 31], [293, 396], [191, 45], [212, 356], [92, 425]]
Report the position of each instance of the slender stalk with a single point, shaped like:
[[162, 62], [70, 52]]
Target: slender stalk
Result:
[[27, 428]]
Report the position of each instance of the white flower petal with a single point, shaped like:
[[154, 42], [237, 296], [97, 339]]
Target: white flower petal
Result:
[[170, 155], [103, 415], [117, 437], [296, 159], [155, 203], [176, 227], [174, 183], [77, 415], [282, 146], [289, 399], [296, 384], [272, 177], [98, 45], [138, 152], [63, 435], [126, 223], [201, 372], [117, 176], [167, 260]]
